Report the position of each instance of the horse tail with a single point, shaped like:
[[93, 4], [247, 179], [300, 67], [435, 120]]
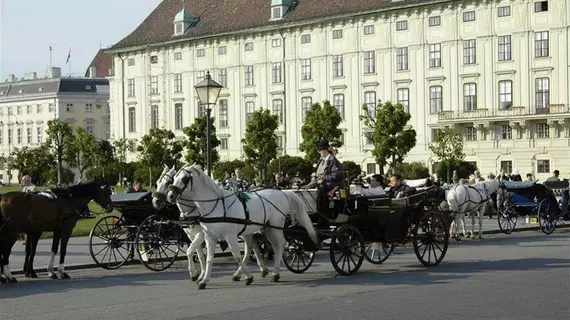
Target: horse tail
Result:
[[298, 208]]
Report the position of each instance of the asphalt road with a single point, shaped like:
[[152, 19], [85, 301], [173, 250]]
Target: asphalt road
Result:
[[520, 276]]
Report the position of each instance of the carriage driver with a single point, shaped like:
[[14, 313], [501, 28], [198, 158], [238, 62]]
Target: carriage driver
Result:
[[329, 176], [238, 183]]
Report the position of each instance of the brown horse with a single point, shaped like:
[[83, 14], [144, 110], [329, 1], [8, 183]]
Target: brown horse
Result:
[[34, 213]]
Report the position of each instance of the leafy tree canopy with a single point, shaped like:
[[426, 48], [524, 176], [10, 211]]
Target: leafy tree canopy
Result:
[[195, 142], [82, 150], [448, 147], [291, 166], [59, 137], [352, 170], [321, 123], [158, 147], [260, 142], [33, 162]]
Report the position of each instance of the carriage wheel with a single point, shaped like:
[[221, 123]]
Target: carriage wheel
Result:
[[156, 243], [378, 252], [431, 239], [296, 259], [110, 243], [347, 250], [547, 216], [507, 219]]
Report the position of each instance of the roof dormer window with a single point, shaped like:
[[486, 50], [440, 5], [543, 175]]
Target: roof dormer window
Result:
[[279, 8], [178, 28], [276, 13], [183, 21]]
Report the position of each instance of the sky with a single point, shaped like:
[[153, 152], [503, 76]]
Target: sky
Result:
[[29, 27]]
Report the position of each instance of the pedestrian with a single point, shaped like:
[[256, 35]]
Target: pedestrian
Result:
[[555, 177], [516, 176]]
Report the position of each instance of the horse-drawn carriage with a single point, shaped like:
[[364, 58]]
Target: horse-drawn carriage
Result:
[[529, 199], [114, 239]]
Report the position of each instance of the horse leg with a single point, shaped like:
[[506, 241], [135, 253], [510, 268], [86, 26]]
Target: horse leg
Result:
[[8, 242], [473, 217], [233, 245], [66, 234], [250, 244], [481, 213], [32, 243], [54, 246], [278, 242], [28, 249], [210, 247], [195, 246]]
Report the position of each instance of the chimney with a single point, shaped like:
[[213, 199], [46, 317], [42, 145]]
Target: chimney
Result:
[[30, 76], [11, 78], [92, 72], [55, 72]]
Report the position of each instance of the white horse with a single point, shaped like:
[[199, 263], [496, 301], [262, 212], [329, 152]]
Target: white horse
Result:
[[223, 216], [472, 199]]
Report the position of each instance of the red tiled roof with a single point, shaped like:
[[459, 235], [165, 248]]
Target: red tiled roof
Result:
[[225, 16], [103, 62]]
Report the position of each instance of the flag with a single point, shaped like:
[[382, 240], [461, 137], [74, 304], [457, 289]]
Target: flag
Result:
[[68, 56], [50, 48]]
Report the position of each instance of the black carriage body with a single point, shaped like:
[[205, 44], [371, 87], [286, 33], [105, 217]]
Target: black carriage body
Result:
[[135, 207], [525, 196]]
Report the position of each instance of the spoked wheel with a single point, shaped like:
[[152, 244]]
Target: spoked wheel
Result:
[[547, 215], [347, 250], [156, 243], [378, 252], [110, 243], [507, 219], [296, 259], [431, 239]]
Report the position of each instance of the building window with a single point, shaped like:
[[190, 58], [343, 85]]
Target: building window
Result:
[[468, 16], [338, 103], [435, 55], [276, 72], [51, 107], [435, 99], [221, 50], [402, 25], [306, 104], [178, 82], [541, 44], [505, 94], [504, 48], [306, 38], [89, 107], [369, 62], [19, 136], [504, 11], [370, 102], [223, 106], [506, 132], [132, 120], [469, 51], [369, 138], [154, 117], [275, 43], [201, 110], [338, 68], [29, 109], [403, 96], [39, 108], [200, 76], [277, 109], [306, 69], [435, 21], [130, 62], [29, 134], [542, 130], [470, 133], [276, 13], [402, 58], [10, 133], [89, 126], [153, 59], [280, 145], [248, 46], [223, 77], [68, 107], [178, 55], [249, 110], [178, 117], [19, 109], [542, 92], [337, 34], [40, 134], [131, 87], [249, 75], [224, 144], [370, 168], [154, 85], [507, 166], [541, 6], [368, 29], [470, 97], [543, 166]]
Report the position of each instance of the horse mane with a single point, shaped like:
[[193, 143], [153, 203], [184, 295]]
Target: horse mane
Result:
[[207, 181], [83, 189]]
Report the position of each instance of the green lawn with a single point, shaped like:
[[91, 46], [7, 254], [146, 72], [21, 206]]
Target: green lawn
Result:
[[83, 227]]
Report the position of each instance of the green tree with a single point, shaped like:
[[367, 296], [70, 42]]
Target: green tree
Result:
[[34, 162], [159, 147], [121, 147], [59, 137], [321, 123], [414, 170], [351, 169], [195, 142], [104, 161], [464, 170], [392, 136], [260, 141], [290, 166], [448, 147], [82, 150]]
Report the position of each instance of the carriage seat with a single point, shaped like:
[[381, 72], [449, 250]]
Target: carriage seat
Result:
[[419, 184], [513, 185], [556, 184]]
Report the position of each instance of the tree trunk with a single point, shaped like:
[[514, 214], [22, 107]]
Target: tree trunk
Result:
[[149, 175]]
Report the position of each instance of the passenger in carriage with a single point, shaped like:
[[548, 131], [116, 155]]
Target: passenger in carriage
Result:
[[329, 175], [279, 181], [399, 190], [376, 187]]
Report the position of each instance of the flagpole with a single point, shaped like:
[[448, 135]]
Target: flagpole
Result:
[[50, 58]]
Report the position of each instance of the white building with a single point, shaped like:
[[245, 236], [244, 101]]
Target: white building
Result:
[[496, 69], [27, 104]]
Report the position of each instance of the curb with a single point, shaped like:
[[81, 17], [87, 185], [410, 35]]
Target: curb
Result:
[[533, 228]]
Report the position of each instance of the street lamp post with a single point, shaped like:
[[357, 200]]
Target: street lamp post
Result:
[[9, 159], [208, 92]]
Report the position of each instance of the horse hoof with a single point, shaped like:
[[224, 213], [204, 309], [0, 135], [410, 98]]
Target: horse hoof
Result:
[[236, 278], [249, 281], [194, 278], [264, 273], [480, 237], [65, 276], [12, 280], [201, 286], [2, 280], [53, 276], [33, 275], [275, 278]]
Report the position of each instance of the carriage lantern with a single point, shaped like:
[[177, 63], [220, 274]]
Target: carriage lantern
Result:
[[208, 92]]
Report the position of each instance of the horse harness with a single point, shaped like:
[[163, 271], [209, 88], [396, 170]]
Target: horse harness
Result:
[[468, 200]]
